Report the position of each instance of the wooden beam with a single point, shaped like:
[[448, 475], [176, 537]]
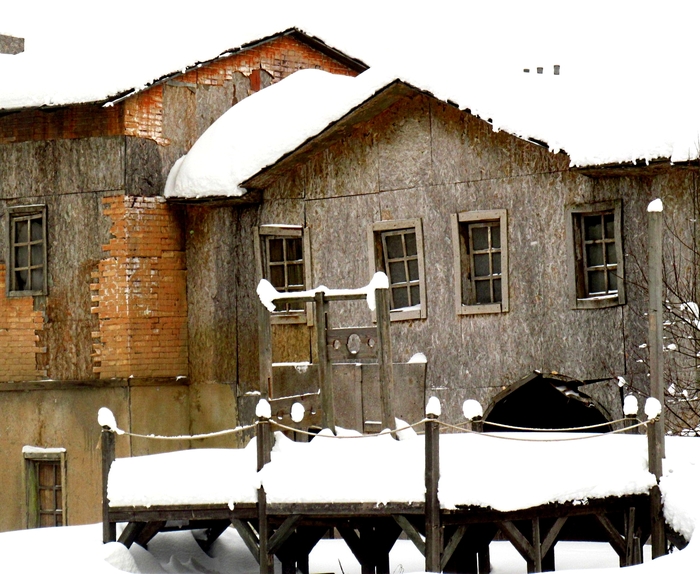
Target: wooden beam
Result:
[[250, 538], [656, 431], [629, 536], [616, 540], [264, 351], [149, 531], [411, 531], [109, 528], [283, 533], [355, 544], [386, 363], [536, 545], [325, 371], [212, 534], [131, 532], [455, 539], [433, 542], [551, 537], [518, 540]]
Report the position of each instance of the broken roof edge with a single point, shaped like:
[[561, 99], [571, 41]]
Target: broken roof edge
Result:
[[313, 42]]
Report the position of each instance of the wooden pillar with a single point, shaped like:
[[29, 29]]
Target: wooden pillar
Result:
[[264, 350], [325, 369], [655, 431], [264, 447], [433, 542], [109, 529], [386, 364], [536, 545]]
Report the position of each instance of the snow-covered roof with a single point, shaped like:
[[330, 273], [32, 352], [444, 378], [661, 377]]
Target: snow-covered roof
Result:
[[29, 82], [593, 127]]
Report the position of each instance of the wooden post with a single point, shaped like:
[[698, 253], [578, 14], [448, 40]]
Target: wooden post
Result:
[[264, 447], [655, 431], [264, 350], [386, 364], [433, 546], [109, 529], [325, 370]]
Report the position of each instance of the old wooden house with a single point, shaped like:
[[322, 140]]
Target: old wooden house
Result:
[[519, 277], [94, 305]]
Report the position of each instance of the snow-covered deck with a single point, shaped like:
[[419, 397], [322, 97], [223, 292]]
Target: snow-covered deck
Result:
[[491, 471]]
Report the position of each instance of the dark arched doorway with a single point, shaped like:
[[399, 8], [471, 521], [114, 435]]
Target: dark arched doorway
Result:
[[545, 402]]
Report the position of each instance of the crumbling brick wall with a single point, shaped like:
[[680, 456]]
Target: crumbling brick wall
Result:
[[20, 325], [139, 292]]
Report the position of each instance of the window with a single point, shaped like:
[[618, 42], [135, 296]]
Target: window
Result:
[[480, 243], [26, 272], [45, 474], [596, 258], [282, 261], [397, 248]]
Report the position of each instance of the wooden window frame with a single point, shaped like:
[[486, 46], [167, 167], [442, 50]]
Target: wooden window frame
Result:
[[376, 260], [32, 460], [462, 259], [265, 232], [18, 213], [576, 265]]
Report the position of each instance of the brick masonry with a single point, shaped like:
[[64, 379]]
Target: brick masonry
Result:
[[139, 292], [20, 326]]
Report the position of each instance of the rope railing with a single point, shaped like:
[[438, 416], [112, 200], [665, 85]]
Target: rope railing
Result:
[[567, 429], [566, 439]]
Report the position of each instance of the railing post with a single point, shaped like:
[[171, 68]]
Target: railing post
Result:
[[433, 545], [264, 448], [386, 364], [655, 430], [325, 368], [109, 529], [264, 350]]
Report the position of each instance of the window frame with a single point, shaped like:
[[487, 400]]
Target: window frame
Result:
[[24, 212], [462, 260], [265, 231], [579, 299], [32, 460], [375, 240]]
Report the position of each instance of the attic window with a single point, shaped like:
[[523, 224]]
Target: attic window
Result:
[[26, 272]]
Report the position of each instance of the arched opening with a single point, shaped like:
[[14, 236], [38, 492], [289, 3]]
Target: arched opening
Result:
[[545, 402]]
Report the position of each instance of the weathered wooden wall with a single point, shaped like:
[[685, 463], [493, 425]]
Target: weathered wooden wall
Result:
[[424, 159]]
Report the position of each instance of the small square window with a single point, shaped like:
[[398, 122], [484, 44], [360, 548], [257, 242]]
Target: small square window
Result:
[[45, 476], [26, 272], [480, 261], [281, 250], [596, 261], [397, 250]]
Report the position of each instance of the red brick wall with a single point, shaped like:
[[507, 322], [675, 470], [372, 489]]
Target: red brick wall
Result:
[[139, 292], [20, 325], [142, 115]]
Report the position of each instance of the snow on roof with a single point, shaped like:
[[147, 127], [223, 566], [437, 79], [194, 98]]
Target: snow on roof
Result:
[[592, 128], [259, 130]]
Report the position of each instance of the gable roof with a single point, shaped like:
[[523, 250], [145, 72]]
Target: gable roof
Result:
[[111, 86]]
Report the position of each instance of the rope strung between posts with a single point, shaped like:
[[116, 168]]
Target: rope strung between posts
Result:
[[535, 429], [384, 432], [585, 437], [184, 436]]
